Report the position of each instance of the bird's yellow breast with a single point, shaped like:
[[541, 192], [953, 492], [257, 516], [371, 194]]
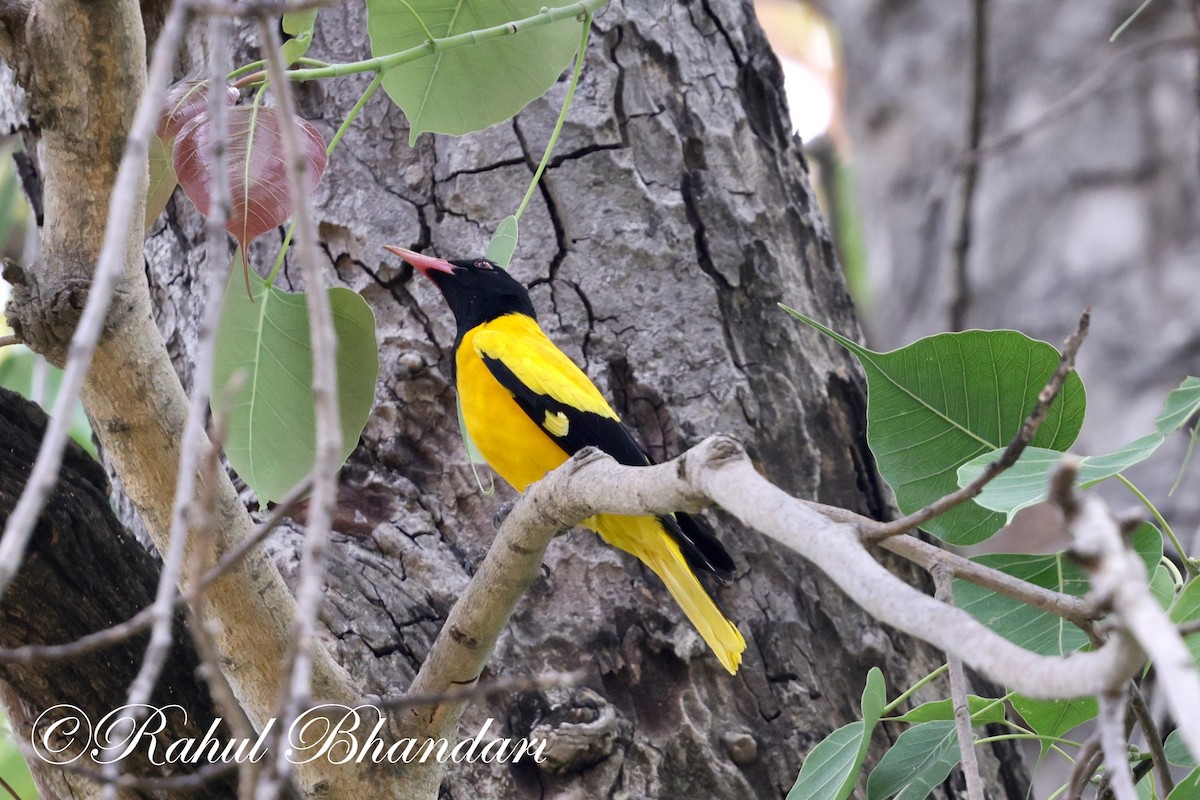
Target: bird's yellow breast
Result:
[[512, 444]]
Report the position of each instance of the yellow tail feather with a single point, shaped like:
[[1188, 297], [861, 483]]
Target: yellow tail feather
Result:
[[645, 538]]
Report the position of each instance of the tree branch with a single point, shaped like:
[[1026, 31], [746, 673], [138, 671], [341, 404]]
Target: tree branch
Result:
[[944, 584], [718, 471]]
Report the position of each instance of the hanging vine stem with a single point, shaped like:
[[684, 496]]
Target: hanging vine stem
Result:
[[562, 115]]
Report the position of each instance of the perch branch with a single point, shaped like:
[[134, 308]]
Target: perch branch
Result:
[[1111, 729], [718, 471]]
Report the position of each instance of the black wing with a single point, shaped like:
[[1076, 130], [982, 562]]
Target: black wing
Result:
[[700, 546]]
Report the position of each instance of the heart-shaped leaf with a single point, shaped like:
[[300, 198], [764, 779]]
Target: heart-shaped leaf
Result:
[[939, 402], [468, 88], [258, 178], [504, 242], [1027, 481], [272, 427], [184, 101], [1054, 717]]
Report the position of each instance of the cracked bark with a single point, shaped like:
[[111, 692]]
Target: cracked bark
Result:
[[681, 213]]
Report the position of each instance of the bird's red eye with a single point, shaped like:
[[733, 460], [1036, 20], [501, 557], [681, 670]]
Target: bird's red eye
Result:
[[483, 264]]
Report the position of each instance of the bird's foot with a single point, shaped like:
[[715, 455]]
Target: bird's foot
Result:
[[502, 513]]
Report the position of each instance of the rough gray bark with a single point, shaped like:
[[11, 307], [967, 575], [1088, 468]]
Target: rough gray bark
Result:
[[1096, 208]]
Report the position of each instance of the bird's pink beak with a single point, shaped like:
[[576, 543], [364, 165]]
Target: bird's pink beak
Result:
[[426, 264]]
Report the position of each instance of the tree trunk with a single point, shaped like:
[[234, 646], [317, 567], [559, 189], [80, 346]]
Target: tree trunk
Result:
[[83, 573], [1095, 206], [675, 215]]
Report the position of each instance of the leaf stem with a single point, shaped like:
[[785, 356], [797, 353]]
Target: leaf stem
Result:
[[1188, 562], [337, 138], [562, 115], [910, 691], [431, 46], [1012, 737]]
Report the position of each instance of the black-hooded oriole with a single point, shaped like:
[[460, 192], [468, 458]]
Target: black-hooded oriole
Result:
[[528, 408]]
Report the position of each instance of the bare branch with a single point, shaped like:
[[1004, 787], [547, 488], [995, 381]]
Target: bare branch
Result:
[[1089, 760], [1077, 96], [944, 585], [1145, 720], [1066, 365], [1118, 579], [217, 269], [1111, 729], [109, 270], [718, 470], [6, 341], [310, 591], [961, 295], [928, 556]]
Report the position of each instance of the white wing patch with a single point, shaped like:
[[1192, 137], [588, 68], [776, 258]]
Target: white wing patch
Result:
[[556, 424]]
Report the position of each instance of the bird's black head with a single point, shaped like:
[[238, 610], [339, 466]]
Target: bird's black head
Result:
[[477, 290]]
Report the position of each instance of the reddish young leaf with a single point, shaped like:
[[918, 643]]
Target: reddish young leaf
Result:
[[258, 180], [186, 100]]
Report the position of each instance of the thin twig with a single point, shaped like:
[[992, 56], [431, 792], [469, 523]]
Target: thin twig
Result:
[[1066, 365], [309, 592], [962, 242], [943, 583], [109, 270], [1111, 727], [1089, 760], [217, 270], [6, 341], [1137, 702], [1078, 95], [1188, 628]]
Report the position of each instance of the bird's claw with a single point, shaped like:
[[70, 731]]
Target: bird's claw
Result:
[[502, 513]]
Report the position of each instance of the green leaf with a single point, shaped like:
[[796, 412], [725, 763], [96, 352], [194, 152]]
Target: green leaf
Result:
[[1029, 627], [1186, 608], [1162, 586], [1177, 753], [31, 376], [1182, 403], [468, 88], [1188, 788], [272, 431], [13, 769], [831, 768], [1026, 482], [938, 403], [504, 242], [984, 711], [1054, 717], [298, 25], [919, 761]]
